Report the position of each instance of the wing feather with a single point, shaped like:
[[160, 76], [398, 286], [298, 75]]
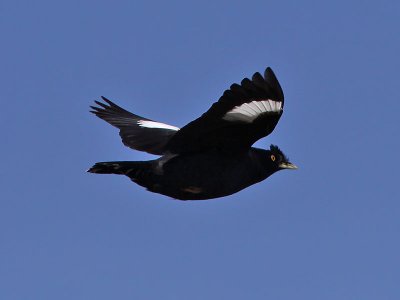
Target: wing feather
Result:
[[136, 132], [245, 113]]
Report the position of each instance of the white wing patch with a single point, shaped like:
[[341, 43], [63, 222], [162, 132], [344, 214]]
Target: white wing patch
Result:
[[152, 124], [248, 112]]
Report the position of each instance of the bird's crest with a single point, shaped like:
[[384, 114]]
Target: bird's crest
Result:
[[275, 149]]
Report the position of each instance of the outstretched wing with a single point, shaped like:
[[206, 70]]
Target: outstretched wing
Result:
[[244, 114], [136, 132]]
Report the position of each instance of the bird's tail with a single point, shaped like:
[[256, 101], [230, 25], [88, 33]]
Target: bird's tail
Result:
[[130, 168]]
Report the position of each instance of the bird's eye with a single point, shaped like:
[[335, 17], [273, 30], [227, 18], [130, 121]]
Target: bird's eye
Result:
[[273, 157]]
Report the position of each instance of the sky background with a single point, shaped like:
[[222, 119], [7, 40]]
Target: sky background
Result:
[[327, 231]]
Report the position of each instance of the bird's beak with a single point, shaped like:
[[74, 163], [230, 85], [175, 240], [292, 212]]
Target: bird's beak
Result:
[[287, 165]]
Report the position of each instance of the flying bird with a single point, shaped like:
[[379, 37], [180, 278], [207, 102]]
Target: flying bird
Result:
[[211, 156]]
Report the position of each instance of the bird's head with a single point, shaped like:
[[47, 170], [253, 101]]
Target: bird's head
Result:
[[279, 159]]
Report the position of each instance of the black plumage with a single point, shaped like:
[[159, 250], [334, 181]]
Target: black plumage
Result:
[[211, 156]]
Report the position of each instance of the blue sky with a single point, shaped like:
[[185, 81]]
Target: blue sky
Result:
[[327, 231]]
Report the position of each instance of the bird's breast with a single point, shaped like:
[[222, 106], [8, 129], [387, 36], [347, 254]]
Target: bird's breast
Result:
[[204, 175]]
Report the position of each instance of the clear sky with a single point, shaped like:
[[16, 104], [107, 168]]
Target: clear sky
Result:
[[327, 231]]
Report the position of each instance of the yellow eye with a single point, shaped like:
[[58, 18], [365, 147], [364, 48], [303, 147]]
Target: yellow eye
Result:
[[273, 157]]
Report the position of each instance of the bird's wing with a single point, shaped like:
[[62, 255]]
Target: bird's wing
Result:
[[244, 114], [136, 132]]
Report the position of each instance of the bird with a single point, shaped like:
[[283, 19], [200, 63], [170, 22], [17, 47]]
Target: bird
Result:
[[210, 157]]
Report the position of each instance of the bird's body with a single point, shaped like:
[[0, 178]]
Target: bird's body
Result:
[[210, 157], [182, 176]]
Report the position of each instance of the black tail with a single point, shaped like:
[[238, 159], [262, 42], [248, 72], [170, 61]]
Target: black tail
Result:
[[128, 168]]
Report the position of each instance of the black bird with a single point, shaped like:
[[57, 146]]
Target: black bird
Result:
[[211, 156]]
